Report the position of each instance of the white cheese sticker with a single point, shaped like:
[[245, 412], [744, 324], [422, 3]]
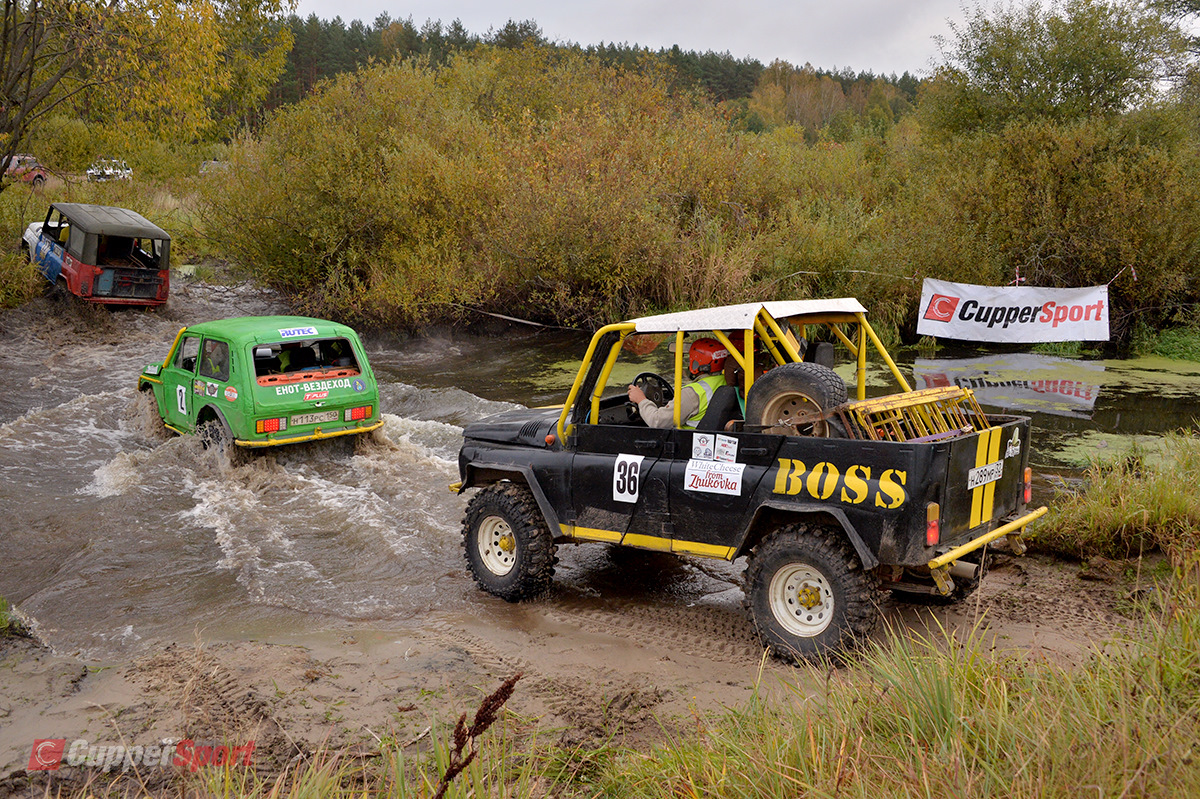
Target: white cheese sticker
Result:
[[627, 475], [983, 475], [726, 448], [713, 477], [702, 446]]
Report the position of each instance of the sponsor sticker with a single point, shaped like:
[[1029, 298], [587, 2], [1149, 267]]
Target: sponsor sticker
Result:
[[1014, 445], [316, 395], [726, 448], [982, 475], [702, 446], [230, 393], [210, 389], [198, 387], [297, 332], [627, 478], [713, 477], [358, 385]]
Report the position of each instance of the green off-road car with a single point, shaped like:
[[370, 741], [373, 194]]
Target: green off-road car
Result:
[[262, 381], [830, 500]]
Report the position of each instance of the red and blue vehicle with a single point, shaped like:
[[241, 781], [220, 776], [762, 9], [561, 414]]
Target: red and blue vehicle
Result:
[[102, 254]]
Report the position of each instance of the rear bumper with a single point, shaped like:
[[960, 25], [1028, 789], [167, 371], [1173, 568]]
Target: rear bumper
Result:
[[315, 436], [1014, 528]]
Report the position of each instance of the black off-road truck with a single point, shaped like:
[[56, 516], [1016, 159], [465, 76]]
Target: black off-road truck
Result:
[[830, 499]]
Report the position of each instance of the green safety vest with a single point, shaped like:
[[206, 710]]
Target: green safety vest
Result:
[[704, 387]]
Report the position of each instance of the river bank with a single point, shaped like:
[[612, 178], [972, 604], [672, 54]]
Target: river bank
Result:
[[634, 671]]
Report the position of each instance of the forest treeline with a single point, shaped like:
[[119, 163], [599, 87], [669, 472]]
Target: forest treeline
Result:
[[423, 175], [324, 49]]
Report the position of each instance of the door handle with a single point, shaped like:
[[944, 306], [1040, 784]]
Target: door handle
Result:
[[754, 451], [644, 443]]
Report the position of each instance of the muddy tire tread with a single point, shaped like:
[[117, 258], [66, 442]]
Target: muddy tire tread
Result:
[[857, 611], [534, 567]]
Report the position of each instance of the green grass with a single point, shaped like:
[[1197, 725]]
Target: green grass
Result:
[[1132, 505], [9, 623]]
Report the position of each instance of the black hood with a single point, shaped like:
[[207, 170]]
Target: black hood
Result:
[[528, 426]]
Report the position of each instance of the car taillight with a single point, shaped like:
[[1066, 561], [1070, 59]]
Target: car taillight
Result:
[[358, 414], [933, 532], [270, 425], [1028, 484]]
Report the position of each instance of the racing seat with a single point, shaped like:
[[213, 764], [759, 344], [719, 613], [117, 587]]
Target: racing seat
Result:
[[722, 409], [302, 358]]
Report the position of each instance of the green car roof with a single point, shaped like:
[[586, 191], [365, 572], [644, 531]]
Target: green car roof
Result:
[[257, 329]]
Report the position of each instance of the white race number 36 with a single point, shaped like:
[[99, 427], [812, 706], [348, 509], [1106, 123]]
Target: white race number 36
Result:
[[627, 478]]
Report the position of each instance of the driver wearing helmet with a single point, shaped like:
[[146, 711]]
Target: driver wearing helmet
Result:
[[706, 360]]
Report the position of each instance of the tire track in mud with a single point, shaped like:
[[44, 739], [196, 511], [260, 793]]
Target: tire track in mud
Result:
[[717, 634], [598, 703], [215, 704]]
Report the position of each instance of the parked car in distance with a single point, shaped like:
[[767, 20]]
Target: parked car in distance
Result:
[[265, 381], [109, 169], [26, 169], [101, 253]]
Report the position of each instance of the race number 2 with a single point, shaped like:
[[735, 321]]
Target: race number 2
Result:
[[181, 399], [627, 478]]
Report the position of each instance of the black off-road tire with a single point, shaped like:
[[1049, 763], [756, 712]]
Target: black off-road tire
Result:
[[506, 542], [793, 391], [215, 435], [808, 594]]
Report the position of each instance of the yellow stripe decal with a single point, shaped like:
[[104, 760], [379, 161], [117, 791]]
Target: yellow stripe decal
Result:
[[989, 490], [650, 542], [977, 493], [647, 542], [705, 550], [588, 534]]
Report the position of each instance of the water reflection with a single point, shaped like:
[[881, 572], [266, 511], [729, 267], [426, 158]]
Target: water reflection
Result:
[[1021, 382]]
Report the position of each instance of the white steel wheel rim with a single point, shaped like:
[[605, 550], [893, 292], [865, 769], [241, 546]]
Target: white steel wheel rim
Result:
[[497, 545], [801, 600]]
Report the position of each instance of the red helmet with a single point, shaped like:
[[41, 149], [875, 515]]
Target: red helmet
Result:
[[706, 356]]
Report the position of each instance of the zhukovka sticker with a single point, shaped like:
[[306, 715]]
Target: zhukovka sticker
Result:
[[230, 393]]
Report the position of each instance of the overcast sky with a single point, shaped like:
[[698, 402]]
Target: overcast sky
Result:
[[882, 36]]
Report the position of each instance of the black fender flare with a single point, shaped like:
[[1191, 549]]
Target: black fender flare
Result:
[[548, 512], [865, 555], [220, 418]]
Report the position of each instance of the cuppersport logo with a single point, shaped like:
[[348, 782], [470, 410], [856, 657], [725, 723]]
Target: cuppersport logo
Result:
[[47, 754], [941, 308]]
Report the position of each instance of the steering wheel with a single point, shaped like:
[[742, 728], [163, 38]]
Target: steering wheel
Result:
[[655, 387]]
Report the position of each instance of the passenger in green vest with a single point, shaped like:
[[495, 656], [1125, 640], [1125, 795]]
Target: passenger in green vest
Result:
[[706, 360]]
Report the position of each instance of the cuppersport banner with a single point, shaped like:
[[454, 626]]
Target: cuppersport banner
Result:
[[1012, 314]]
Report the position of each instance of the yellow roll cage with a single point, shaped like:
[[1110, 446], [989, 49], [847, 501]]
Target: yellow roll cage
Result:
[[779, 339]]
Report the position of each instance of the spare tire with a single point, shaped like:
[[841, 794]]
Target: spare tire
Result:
[[784, 399]]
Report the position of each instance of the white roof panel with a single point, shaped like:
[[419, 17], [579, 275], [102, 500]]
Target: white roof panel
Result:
[[741, 317]]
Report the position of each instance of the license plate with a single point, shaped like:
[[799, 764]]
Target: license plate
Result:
[[983, 475], [313, 418]]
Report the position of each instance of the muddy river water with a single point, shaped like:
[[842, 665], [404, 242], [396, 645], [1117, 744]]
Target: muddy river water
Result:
[[115, 538]]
